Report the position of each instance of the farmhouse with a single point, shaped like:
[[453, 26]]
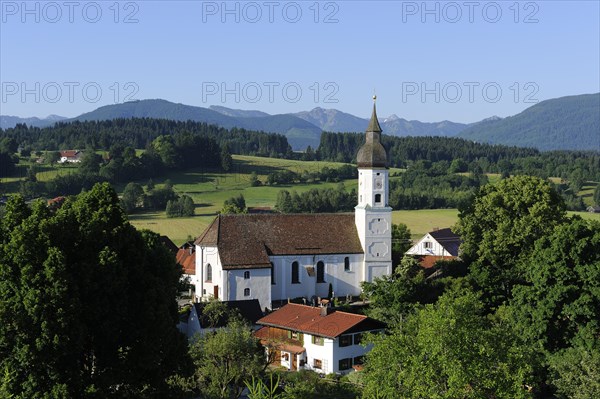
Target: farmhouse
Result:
[[71, 156], [593, 209], [273, 257], [316, 338], [436, 245]]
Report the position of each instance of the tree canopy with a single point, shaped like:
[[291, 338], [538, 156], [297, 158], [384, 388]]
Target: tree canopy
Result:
[[500, 226], [87, 303]]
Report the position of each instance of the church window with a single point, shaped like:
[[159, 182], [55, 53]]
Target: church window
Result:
[[272, 273], [246, 291], [208, 273], [246, 275], [320, 272], [377, 198], [347, 264], [295, 273]]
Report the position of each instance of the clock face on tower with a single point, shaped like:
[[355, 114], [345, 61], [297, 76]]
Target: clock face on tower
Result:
[[378, 184]]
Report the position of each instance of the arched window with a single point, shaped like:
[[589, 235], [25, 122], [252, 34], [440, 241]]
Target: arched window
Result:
[[246, 275], [377, 198], [246, 291], [347, 264], [320, 272], [295, 273], [272, 273], [208, 273]]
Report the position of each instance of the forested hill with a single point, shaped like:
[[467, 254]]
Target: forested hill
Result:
[[404, 152], [139, 132], [299, 132], [566, 123]]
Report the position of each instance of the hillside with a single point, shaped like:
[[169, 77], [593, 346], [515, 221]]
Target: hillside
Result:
[[8, 121], [566, 123], [300, 133]]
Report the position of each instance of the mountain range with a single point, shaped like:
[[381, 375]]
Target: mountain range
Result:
[[566, 123]]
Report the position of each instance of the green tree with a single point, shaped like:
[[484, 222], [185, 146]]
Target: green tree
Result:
[[87, 303], [226, 159], [501, 225], [284, 202], [235, 204], [575, 372], [165, 148], [597, 195], [52, 157], [133, 197], [90, 162], [254, 181], [225, 359], [401, 241], [449, 350], [559, 306], [393, 297]]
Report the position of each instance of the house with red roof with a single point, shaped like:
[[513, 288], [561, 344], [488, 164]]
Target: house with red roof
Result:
[[71, 156], [300, 337]]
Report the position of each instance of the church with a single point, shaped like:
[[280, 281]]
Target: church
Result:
[[273, 257]]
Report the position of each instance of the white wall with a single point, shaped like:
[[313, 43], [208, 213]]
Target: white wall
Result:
[[259, 284], [436, 248], [323, 353], [205, 289], [343, 282]]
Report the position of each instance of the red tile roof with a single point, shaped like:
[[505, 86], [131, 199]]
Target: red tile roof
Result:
[[428, 261], [69, 153], [308, 319], [187, 259], [264, 335], [246, 241]]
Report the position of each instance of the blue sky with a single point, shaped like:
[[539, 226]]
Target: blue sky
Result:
[[460, 61]]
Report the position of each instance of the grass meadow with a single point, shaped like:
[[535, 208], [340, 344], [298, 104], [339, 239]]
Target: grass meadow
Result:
[[210, 188]]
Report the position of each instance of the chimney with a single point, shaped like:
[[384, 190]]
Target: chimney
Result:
[[191, 250], [324, 311]]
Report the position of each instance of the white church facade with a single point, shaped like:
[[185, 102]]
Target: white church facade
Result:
[[273, 257]]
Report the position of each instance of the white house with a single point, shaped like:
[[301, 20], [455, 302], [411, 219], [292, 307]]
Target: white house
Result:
[[436, 245], [273, 257], [316, 338], [70, 156]]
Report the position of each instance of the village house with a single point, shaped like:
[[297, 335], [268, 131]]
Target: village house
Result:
[[439, 244], [273, 257], [70, 156], [300, 337]]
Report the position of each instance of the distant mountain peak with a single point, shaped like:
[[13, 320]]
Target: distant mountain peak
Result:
[[392, 117]]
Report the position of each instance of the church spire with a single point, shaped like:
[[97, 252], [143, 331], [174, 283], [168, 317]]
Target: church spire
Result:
[[372, 154], [374, 123]]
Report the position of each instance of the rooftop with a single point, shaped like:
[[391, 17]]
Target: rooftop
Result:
[[308, 319], [247, 241]]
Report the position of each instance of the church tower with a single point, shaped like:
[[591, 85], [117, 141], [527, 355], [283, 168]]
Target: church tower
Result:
[[373, 215]]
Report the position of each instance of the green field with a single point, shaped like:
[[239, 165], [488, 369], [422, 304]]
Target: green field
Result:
[[210, 188]]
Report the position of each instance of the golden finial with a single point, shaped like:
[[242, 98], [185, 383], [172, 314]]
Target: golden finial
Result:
[[374, 97]]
